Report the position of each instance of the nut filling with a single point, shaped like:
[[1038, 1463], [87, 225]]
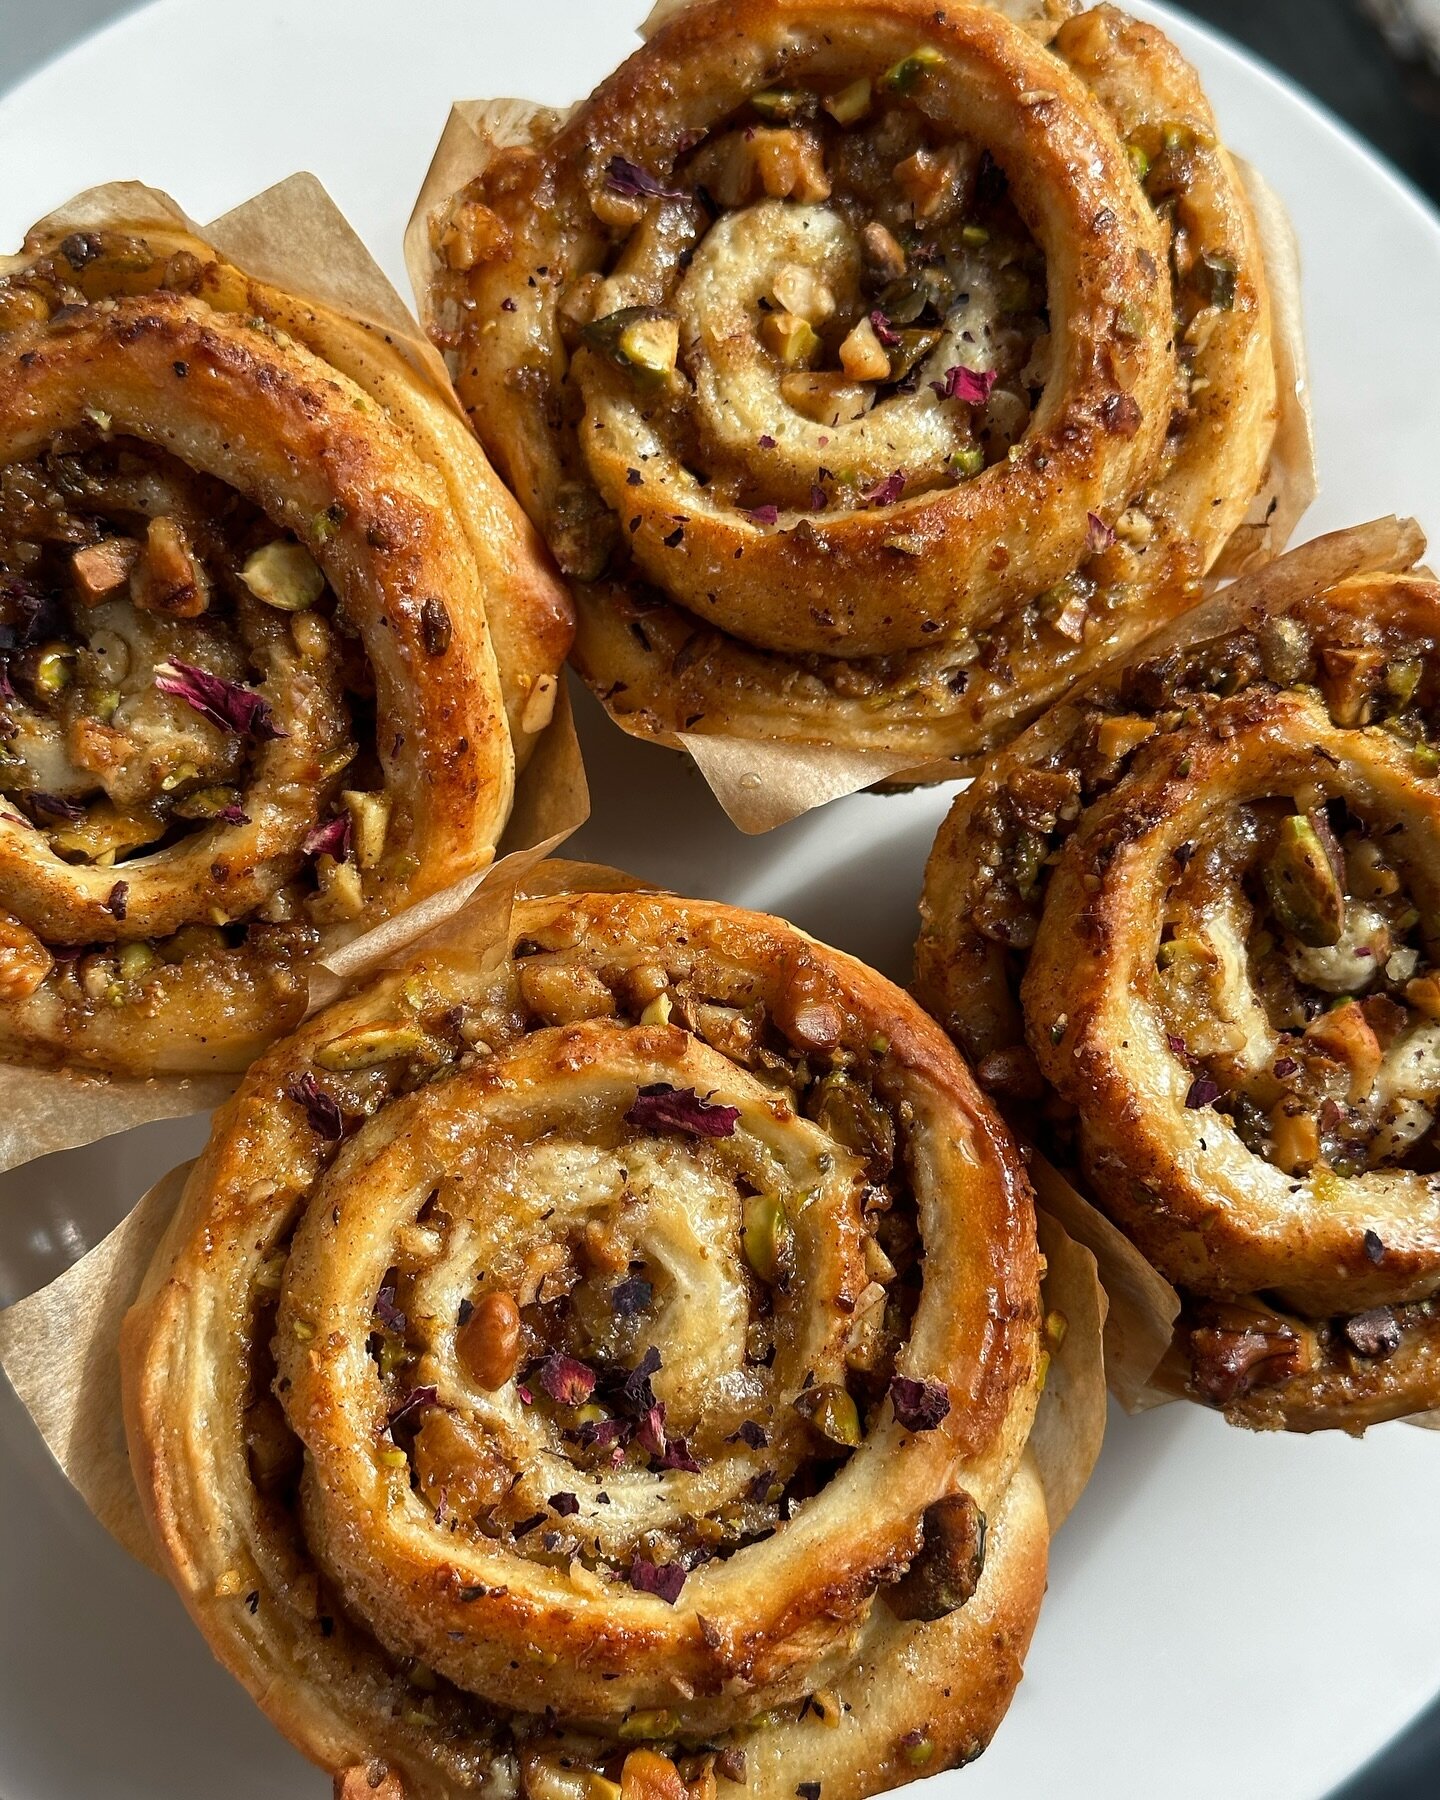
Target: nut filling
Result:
[[1196, 913], [595, 1396]]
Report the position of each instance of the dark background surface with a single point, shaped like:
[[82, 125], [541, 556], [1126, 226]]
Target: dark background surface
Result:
[[1329, 48]]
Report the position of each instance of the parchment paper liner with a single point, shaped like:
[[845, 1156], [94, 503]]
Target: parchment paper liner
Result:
[[294, 237], [60, 1345], [762, 783]]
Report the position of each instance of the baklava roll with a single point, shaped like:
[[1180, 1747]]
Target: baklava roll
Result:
[[872, 369], [1189, 926], [604, 1364], [273, 639]]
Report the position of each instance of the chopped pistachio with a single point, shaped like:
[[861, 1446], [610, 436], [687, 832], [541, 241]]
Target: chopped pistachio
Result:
[[832, 1412], [917, 1747], [1139, 161], [792, 338], [54, 668], [284, 576], [968, 462], [904, 76], [340, 894], [1303, 884], [649, 1722], [781, 106], [640, 338], [851, 103], [768, 1237], [367, 1046], [369, 822], [1402, 678], [135, 959], [657, 1012]]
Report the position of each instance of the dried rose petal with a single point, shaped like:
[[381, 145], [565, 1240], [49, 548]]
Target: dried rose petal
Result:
[[764, 515], [1375, 1333], [326, 1120], [888, 491], [413, 1401], [631, 1296], [1203, 1092], [603, 1432], [1099, 536], [636, 1396], [919, 1405], [625, 177], [765, 441], [52, 806], [1374, 1247], [651, 1435], [662, 1579], [819, 499], [678, 1456], [329, 838], [883, 329], [233, 815], [752, 1434], [1177, 1045], [661, 1107], [567, 1505], [972, 386], [227, 704], [386, 1311], [1285, 1066], [118, 903], [564, 1379]]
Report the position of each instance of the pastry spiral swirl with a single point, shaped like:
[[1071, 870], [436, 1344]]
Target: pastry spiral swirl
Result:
[[551, 1366], [1192, 913], [269, 631], [870, 368]]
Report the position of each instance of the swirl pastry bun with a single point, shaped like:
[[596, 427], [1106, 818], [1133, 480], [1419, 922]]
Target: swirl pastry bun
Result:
[[1189, 923], [605, 1364], [872, 369], [273, 642]]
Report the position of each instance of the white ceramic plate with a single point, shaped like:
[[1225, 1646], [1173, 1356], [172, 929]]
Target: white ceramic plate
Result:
[[1228, 1615]]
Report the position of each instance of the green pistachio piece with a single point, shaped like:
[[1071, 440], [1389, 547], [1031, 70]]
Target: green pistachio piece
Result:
[[851, 103], [284, 576], [832, 1412], [906, 75], [768, 1237], [365, 1046], [1402, 679], [54, 668], [640, 338], [783, 106], [1303, 882]]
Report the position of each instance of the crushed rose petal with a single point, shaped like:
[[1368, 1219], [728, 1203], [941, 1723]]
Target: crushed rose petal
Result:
[[625, 177], [331, 837], [883, 329], [661, 1107], [324, 1114], [972, 386], [664, 1580], [919, 1405], [1099, 536], [886, 492], [764, 515], [566, 1380], [229, 705], [413, 1401], [386, 1311], [1203, 1092]]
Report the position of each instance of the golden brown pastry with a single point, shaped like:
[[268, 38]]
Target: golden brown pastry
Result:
[[609, 1361], [872, 369], [1189, 927], [273, 641]]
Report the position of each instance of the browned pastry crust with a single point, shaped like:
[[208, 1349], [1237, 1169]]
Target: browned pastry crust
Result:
[[872, 369], [274, 640], [1189, 924], [548, 1378]]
